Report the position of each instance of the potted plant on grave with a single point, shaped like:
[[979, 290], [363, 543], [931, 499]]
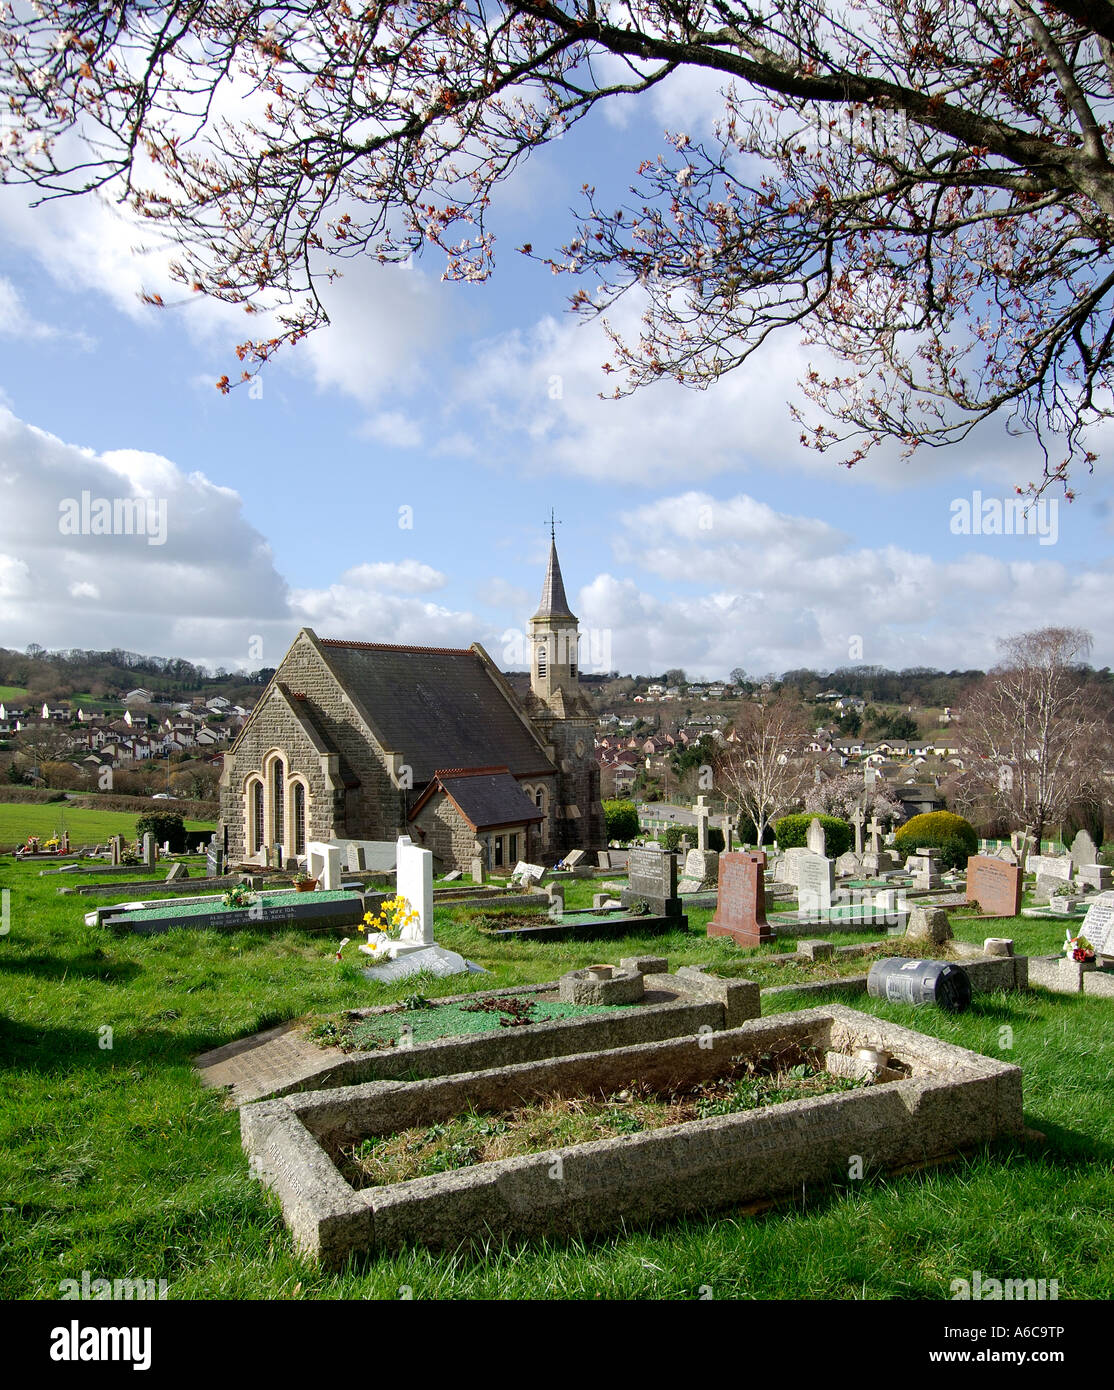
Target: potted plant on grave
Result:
[[303, 882]]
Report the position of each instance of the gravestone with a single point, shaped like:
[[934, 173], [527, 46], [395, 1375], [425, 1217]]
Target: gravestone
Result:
[[1083, 850], [702, 814], [166, 847], [871, 862], [814, 838], [478, 872], [177, 871], [354, 857], [652, 878], [150, 849], [929, 925], [848, 865], [574, 856], [323, 864], [603, 859], [528, 873], [116, 843], [452, 876], [857, 821], [728, 833], [1097, 876], [1007, 854], [414, 882], [214, 859], [815, 883], [701, 871], [741, 901], [1050, 865], [994, 885], [926, 871], [1098, 925], [64, 843], [555, 892]]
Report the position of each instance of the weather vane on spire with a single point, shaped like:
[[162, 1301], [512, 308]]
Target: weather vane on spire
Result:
[[553, 524]]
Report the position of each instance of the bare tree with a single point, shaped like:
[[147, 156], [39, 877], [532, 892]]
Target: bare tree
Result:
[[1035, 726], [923, 187], [765, 772]]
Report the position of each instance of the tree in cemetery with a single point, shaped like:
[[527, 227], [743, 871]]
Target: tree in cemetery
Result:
[[923, 188], [1039, 725], [840, 795], [765, 772]]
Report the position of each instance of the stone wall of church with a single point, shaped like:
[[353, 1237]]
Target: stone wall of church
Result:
[[444, 831], [273, 726], [578, 785], [375, 810]]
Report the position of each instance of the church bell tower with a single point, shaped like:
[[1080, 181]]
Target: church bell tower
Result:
[[554, 640]]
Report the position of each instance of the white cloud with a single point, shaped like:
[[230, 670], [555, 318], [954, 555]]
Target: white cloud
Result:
[[394, 428]]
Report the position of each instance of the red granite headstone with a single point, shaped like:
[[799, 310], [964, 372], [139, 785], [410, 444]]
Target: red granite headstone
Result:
[[741, 900], [994, 884]]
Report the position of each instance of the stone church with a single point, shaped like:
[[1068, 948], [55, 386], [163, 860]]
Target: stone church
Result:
[[369, 741]]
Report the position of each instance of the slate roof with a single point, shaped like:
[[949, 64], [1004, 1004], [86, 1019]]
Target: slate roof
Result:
[[436, 707], [485, 797]]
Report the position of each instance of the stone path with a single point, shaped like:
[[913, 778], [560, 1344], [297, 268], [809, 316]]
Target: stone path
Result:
[[264, 1063]]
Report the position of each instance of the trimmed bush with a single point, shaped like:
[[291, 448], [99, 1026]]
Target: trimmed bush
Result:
[[621, 820], [166, 827], [791, 832], [671, 838], [952, 836]]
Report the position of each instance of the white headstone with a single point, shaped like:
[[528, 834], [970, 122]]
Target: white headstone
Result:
[[814, 838], [1098, 925], [1083, 850], [414, 882], [815, 882], [323, 864]]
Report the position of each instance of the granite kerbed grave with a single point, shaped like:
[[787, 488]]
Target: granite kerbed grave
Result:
[[671, 1006], [310, 911], [590, 925], [942, 1099]]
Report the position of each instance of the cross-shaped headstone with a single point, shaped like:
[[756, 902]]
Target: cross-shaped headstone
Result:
[[701, 809], [875, 828], [857, 821]]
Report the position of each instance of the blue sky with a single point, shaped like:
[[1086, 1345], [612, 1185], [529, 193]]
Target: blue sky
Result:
[[695, 530]]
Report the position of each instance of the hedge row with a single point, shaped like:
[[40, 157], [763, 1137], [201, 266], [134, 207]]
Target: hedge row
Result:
[[188, 810]]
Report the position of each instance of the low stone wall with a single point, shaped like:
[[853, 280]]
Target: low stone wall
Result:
[[601, 929], [987, 974], [948, 1099]]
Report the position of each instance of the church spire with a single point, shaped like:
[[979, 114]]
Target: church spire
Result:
[[554, 604]]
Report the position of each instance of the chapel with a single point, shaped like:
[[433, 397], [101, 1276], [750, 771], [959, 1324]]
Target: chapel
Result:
[[370, 741]]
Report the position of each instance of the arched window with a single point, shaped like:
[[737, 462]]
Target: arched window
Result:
[[278, 802], [255, 804], [539, 798], [299, 818]]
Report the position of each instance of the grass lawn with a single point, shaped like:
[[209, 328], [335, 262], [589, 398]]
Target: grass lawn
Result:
[[113, 1159], [12, 692], [18, 820]]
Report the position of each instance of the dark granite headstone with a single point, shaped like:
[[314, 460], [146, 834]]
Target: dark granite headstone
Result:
[[652, 878], [741, 901], [994, 885], [214, 860]]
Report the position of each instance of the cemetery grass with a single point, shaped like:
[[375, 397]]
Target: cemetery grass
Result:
[[117, 1161], [20, 819]]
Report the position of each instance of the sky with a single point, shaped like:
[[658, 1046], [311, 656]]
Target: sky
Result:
[[391, 478]]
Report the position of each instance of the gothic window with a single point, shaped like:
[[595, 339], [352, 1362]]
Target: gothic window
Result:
[[255, 793], [278, 803], [299, 818], [539, 798]]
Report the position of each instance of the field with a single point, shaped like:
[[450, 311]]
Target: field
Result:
[[113, 1159], [12, 692], [18, 820]]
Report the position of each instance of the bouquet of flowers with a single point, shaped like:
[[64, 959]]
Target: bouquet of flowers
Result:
[[1078, 948], [384, 927]]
